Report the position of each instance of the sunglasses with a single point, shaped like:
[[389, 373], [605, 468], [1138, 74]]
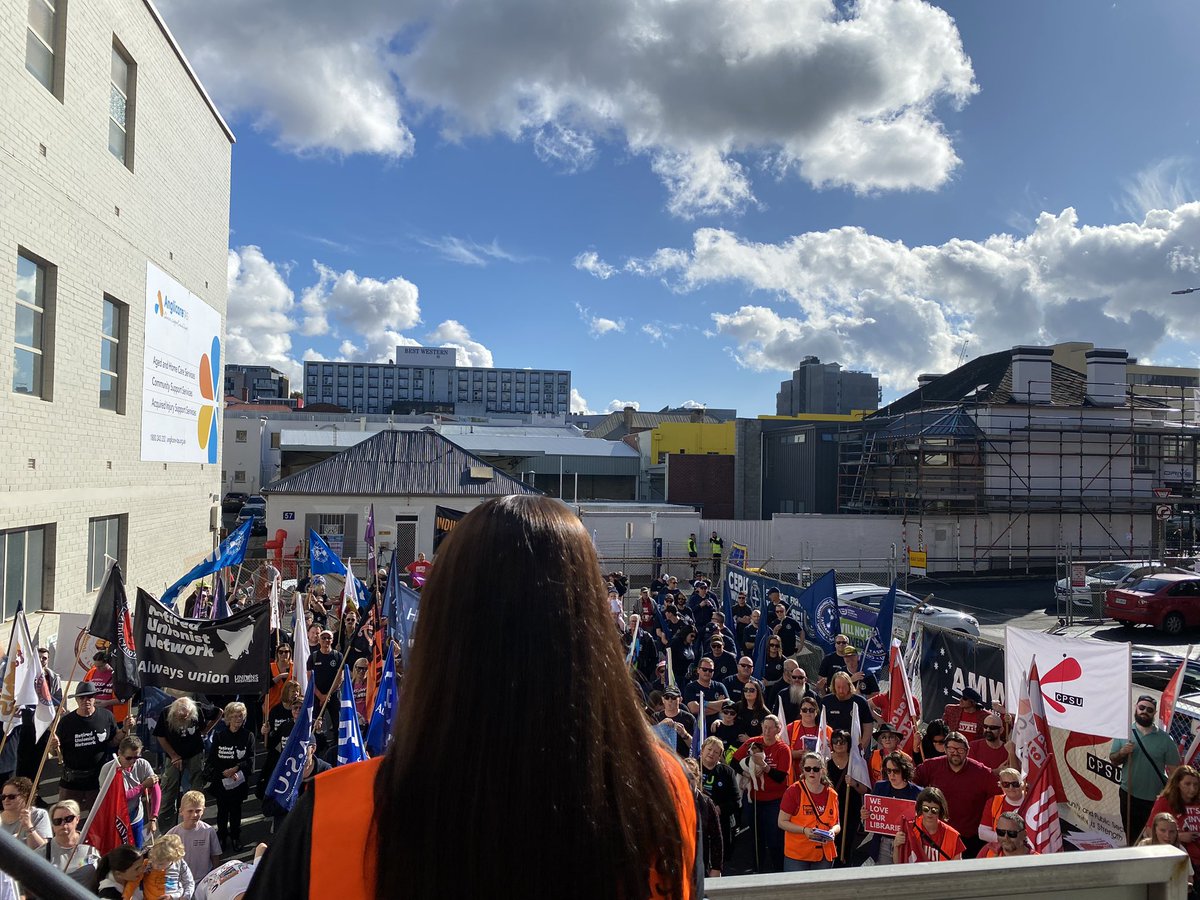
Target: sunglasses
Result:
[[808, 709], [1004, 832], [991, 727], [812, 768], [1148, 709], [745, 665], [1010, 784], [10, 796], [931, 810], [65, 820], [888, 770], [841, 642], [704, 670], [751, 690]]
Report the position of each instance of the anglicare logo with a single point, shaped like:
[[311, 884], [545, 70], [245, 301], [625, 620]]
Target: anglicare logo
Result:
[[206, 422], [167, 308]]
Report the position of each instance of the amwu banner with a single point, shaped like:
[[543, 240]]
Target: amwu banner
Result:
[[950, 662], [229, 656]]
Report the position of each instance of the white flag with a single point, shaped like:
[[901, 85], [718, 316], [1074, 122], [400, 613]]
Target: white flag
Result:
[[823, 749], [20, 675], [300, 646], [858, 766], [1085, 684], [274, 601]]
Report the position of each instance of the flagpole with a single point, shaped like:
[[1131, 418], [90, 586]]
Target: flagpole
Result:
[[236, 579], [8, 727], [341, 665], [54, 725], [845, 811]]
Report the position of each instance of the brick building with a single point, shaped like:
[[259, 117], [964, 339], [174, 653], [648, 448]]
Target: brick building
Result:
[[114, 174]]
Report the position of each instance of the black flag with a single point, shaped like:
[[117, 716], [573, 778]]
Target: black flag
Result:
[[111, 622]]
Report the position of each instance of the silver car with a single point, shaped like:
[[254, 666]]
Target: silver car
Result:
[[1121, 573], [908, 605]]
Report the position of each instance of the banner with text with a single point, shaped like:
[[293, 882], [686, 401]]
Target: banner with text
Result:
[[821, 619], [951, 661], [882, 815], [182, 381], [228, 656]]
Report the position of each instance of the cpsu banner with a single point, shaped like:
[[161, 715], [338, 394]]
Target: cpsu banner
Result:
[[228, 656], [818, 609], [951, 661]]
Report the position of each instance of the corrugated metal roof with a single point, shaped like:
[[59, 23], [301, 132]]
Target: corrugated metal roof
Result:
[[488, 441], [398, 463]]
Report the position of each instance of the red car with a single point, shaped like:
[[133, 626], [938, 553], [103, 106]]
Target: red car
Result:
[[1167, 601]]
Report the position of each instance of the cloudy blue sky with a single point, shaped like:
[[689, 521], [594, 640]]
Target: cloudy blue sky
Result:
[[679, 199]]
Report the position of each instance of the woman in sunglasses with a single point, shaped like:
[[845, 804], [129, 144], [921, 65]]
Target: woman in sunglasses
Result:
[[773, 671], [751, 711], [64, 850], [897, 770], [805, 732], [928, 838], [25, 822], [142, 791], [808, 816]]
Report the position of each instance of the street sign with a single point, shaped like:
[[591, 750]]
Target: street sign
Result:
[[1162, 511], [1162, 492], [916, 562]]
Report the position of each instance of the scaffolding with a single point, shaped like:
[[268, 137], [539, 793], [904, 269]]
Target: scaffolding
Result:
[[1108, 480]]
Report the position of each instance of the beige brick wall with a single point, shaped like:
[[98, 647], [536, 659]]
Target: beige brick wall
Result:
[[98, 222]]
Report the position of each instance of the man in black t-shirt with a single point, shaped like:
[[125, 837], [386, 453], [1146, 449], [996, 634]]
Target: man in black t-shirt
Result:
[[741, 615], [787, 628], [323, 664], [87, 737]]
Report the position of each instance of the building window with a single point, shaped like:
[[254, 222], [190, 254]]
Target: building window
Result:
[[104, 540], [1143, 452], [120, 107], [42, 43], [240, 436], [22, 564], [275, 440], [30, 369], [239, 476], [112, 358]]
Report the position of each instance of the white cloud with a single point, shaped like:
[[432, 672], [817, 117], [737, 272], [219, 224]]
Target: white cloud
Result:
[[470, 253], [842, 94], [454, 334], [655, 333], [590, 261], [618, 405], [342, 301], [1166, 184], [579, 404], [598, 326], [692, 404], [849, 296], [258, 319]]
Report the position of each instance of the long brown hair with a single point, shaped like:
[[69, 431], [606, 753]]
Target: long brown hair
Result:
[[521, 764], [1171, 791]]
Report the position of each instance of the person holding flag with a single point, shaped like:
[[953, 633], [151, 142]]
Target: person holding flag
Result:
[[86, 738]]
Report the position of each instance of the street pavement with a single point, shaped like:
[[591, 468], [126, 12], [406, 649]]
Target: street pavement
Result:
[[1030, 603]]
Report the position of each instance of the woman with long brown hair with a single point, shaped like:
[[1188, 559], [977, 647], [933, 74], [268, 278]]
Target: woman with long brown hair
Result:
[[474, 798]]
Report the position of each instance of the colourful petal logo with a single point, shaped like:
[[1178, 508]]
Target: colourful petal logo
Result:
[[159, 306], [206, 424]]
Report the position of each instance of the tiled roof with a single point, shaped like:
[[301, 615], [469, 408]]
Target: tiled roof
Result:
[[613, 425], [395, 463]]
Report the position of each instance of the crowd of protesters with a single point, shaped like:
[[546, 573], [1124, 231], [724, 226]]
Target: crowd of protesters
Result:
[[767, 754]]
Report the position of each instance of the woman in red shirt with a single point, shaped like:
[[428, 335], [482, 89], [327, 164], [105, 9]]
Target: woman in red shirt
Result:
[[928, 838], [808, 816], [1181, 798]]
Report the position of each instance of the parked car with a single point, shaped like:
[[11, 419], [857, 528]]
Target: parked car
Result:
[[232, 502], [1115, 574], [1168, 600], [255, 508], [1153, 669], [907, 605], [257, 503]]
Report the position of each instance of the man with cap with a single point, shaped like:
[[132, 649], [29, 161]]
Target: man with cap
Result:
[[745, 675], [787, 627], [832, 662], [713, 692], [740, 611], [683, 720], [966, 717], [615, 608], [659, 681], [1146, 759], [87, 738], [701, 605], [865, 684], [716, 629], [724, 662]]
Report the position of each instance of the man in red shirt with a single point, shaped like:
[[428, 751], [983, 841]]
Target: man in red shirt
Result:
[[966, 717], [419, 570], [968, 785], [992, 750], [769, 770]]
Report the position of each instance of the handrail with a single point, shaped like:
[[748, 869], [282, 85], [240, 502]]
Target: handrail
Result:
[[35, 873], [1161, 870]]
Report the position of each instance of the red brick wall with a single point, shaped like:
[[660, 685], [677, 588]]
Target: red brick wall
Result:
[[706, 480]]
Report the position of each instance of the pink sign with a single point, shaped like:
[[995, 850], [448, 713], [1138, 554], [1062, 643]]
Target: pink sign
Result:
[[882, 815]]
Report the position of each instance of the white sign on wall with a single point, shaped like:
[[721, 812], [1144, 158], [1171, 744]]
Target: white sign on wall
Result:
[[426, 356], [182, 379]]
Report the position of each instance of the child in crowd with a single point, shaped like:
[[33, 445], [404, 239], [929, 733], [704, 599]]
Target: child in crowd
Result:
[[202, 848], [167, 876]]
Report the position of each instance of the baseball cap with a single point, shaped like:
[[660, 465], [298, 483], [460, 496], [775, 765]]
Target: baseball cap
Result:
[[848, 650], [672, 692], [701, 584]]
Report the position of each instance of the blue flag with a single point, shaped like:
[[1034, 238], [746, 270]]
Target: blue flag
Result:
[[324, 561], [284, 785], [662, 620], [220, 605], [406, 619], [875, 654], [698, 734], [760, 639], [350, 743], [727, 601], [379, 731], [391, 595], [231, 553]]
